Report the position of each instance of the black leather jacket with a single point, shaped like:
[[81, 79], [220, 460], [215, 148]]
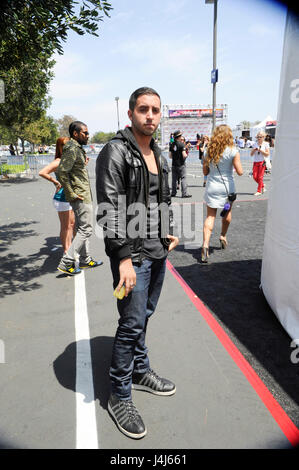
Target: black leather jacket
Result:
[[122, 186]]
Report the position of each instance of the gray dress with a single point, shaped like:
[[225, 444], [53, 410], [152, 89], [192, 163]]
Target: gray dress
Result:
[[215, 195]]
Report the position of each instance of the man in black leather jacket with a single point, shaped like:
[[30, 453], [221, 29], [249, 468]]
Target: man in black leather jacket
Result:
[[134, 210]]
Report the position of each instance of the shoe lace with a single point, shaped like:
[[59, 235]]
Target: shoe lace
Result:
[[131, 410], [153, 374]]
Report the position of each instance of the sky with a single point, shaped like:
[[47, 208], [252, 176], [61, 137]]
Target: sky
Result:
[[168, 45]]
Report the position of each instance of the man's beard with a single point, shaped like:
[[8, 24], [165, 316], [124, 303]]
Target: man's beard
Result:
[[82, 142], [143, 130]]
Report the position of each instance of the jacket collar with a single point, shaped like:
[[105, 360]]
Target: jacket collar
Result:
[[126, 135]]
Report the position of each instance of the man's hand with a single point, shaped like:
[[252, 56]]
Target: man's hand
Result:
[[174, 242], [127, 276], [79, 197]]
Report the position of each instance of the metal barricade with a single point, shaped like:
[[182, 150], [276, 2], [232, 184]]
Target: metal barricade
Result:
[[37, 162]]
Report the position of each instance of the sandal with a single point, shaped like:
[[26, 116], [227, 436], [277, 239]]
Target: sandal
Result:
[[223, 243], [204, 254]]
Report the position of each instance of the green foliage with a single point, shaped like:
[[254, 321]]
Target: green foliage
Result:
[[31, 32], [34, 27], [44, 131], [102, 137], [26, 91], [6, 136], [6, 169], [63, 124]]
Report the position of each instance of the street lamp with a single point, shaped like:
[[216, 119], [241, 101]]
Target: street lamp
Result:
[[214, 73], [116, 99]]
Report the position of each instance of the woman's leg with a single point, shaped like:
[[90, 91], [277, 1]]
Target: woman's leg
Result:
[[261, 172], [226, 220], [208, 226], [255, 172], [66, 228]]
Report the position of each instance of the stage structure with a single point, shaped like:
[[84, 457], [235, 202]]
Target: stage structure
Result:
[[190, 119]]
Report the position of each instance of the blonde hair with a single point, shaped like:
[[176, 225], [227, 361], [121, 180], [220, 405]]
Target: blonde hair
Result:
[[222, 137]]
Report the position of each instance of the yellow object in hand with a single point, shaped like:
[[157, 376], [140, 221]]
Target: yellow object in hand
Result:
[[120, 294]]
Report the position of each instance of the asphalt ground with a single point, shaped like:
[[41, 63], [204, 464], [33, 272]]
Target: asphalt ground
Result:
[[215, 406]]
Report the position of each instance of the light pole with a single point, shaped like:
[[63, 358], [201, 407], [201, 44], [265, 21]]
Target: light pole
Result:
[[116, 99], [214, 73]]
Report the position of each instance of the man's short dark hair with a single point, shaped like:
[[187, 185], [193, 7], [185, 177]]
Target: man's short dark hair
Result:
[[139, 92], [75, 126]]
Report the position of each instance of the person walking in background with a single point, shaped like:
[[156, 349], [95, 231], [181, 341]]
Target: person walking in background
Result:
[[198, 140], [202, 148], [12, 150], [131, 165], [73, 177], [178, 155], [64, 209], [221, 157], [260, 151]]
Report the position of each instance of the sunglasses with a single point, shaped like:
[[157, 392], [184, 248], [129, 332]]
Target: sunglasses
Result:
[[86, 133]]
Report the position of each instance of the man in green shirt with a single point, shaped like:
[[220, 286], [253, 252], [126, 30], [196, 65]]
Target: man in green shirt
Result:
[[73, 176]]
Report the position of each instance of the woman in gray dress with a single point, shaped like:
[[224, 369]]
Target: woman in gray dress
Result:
[[220, 159]]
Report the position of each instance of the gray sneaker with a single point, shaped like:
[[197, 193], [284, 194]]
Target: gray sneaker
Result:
[[71, 270], [126, 417], [151, 382]]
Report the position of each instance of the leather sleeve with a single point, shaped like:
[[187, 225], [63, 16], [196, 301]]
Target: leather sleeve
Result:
[[111, 198], [166, 195]]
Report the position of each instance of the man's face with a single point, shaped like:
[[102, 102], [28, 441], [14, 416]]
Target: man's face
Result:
[[146, 115], [82, 136]]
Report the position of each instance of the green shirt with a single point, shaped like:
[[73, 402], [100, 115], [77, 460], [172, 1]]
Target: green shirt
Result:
[[72, 172]]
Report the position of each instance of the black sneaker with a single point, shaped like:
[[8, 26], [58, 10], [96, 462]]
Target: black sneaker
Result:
[[72, 270], [151, 382], [126, 417], [90, 264], [187, 195]]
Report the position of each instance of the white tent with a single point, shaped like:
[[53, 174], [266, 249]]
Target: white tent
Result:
[[280, 265], [259, 127]]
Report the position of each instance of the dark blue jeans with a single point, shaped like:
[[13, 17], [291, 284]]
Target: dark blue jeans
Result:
[[129, 350]]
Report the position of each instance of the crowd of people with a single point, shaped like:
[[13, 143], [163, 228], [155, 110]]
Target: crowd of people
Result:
[[220, 158], [248, 142], [131, 171]]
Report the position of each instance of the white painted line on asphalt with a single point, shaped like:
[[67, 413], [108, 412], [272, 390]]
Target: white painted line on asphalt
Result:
[[86, 432]]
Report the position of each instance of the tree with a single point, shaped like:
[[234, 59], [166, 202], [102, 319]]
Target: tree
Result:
[[26, 91], [31, 32], [245, 124], [102, 137], [44, 131], [6, 136], [63, 124], [25, 95], [29, 28]]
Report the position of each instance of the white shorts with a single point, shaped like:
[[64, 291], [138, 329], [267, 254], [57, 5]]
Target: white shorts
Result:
[[62, 206]]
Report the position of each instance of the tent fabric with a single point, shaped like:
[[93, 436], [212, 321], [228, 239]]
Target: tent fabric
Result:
[[280, 263], [259, 127]]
